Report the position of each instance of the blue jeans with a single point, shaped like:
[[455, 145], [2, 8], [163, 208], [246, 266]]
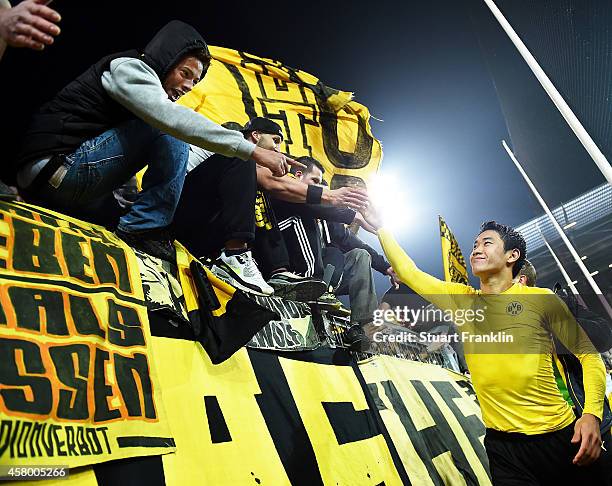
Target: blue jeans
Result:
[[107, 161]]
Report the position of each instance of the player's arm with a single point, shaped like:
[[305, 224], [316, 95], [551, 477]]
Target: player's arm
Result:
[[433, 289], [440, 293], [564, 326]]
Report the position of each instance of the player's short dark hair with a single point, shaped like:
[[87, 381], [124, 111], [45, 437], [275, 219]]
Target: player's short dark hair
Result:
[[512, 239], [309, 162], [530, 272]]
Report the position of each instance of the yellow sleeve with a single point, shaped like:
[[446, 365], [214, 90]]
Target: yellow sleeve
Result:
[[564, 326], [436, 291]]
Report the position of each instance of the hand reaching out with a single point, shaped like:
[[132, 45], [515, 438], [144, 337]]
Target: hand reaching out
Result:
[[350, 197], [275, 161], [359, 219], [393, 278], [371, 217], [29, 24]]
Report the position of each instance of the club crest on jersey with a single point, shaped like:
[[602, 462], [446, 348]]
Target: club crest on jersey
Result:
[[514, 308]]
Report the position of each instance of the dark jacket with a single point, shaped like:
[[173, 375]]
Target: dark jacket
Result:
[[343, 238], [599, 332], [300, 227], [83, 110]]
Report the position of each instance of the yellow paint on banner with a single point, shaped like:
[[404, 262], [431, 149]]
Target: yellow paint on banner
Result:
[[455, 269]]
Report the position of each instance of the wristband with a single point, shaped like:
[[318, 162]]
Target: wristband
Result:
[[313, 194]]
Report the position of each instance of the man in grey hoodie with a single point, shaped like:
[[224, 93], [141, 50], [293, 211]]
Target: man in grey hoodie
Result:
[[117, 117]]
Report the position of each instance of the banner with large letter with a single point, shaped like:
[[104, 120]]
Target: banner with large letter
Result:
[[317, 120], [76, 380]]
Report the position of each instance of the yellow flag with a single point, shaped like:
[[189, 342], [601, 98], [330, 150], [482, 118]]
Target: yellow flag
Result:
[[317, 121], [455, 269]]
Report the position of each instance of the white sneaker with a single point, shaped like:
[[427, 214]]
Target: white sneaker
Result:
[[241, 272]]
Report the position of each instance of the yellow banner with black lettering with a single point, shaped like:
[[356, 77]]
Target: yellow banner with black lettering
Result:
[[317, 120], [77, 385], [308, 418], [455, 269], [433, 420]]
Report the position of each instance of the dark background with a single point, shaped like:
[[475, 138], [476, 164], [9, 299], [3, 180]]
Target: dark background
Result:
[[435, 72]]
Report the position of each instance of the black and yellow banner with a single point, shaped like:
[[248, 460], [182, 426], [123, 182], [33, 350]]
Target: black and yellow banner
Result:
[[317, 121], [76, 385], [432, 418], [455, 269], [307, 418]]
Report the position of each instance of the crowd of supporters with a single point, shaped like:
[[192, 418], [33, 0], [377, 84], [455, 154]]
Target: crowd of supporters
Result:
[[265, 222]]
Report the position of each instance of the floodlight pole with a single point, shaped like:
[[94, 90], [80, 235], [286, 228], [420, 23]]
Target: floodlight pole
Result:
[[563, 236], [598, 157], [566, 276]]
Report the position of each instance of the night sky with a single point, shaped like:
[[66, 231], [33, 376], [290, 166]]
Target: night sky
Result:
[[419, 66]]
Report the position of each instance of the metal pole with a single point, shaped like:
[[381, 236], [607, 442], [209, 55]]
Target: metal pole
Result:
[[570, 247], [566, 276], [598, 157]]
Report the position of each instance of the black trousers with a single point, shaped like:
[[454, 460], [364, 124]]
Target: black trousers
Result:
[[269, 250], [543, 459], [217, 204]]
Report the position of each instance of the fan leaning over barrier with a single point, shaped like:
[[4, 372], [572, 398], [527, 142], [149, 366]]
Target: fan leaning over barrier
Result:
[[122, 116]]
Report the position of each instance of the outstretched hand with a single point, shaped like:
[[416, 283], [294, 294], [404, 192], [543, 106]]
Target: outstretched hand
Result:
[[275, 161], [351, 197], [29, 24], [359, 219], [372, 217]]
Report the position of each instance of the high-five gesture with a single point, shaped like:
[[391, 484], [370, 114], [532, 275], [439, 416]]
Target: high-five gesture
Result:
[[372, 217]]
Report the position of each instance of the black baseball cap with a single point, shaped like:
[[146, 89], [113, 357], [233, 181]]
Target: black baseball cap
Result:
[[263, 125]]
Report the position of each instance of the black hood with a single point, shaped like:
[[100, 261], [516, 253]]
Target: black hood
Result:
[[170, 44]]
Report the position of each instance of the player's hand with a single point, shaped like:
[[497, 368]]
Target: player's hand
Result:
[[587, 433], [393, 278], [29, 24], [371, 216], [351, 197], [363, 223]]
